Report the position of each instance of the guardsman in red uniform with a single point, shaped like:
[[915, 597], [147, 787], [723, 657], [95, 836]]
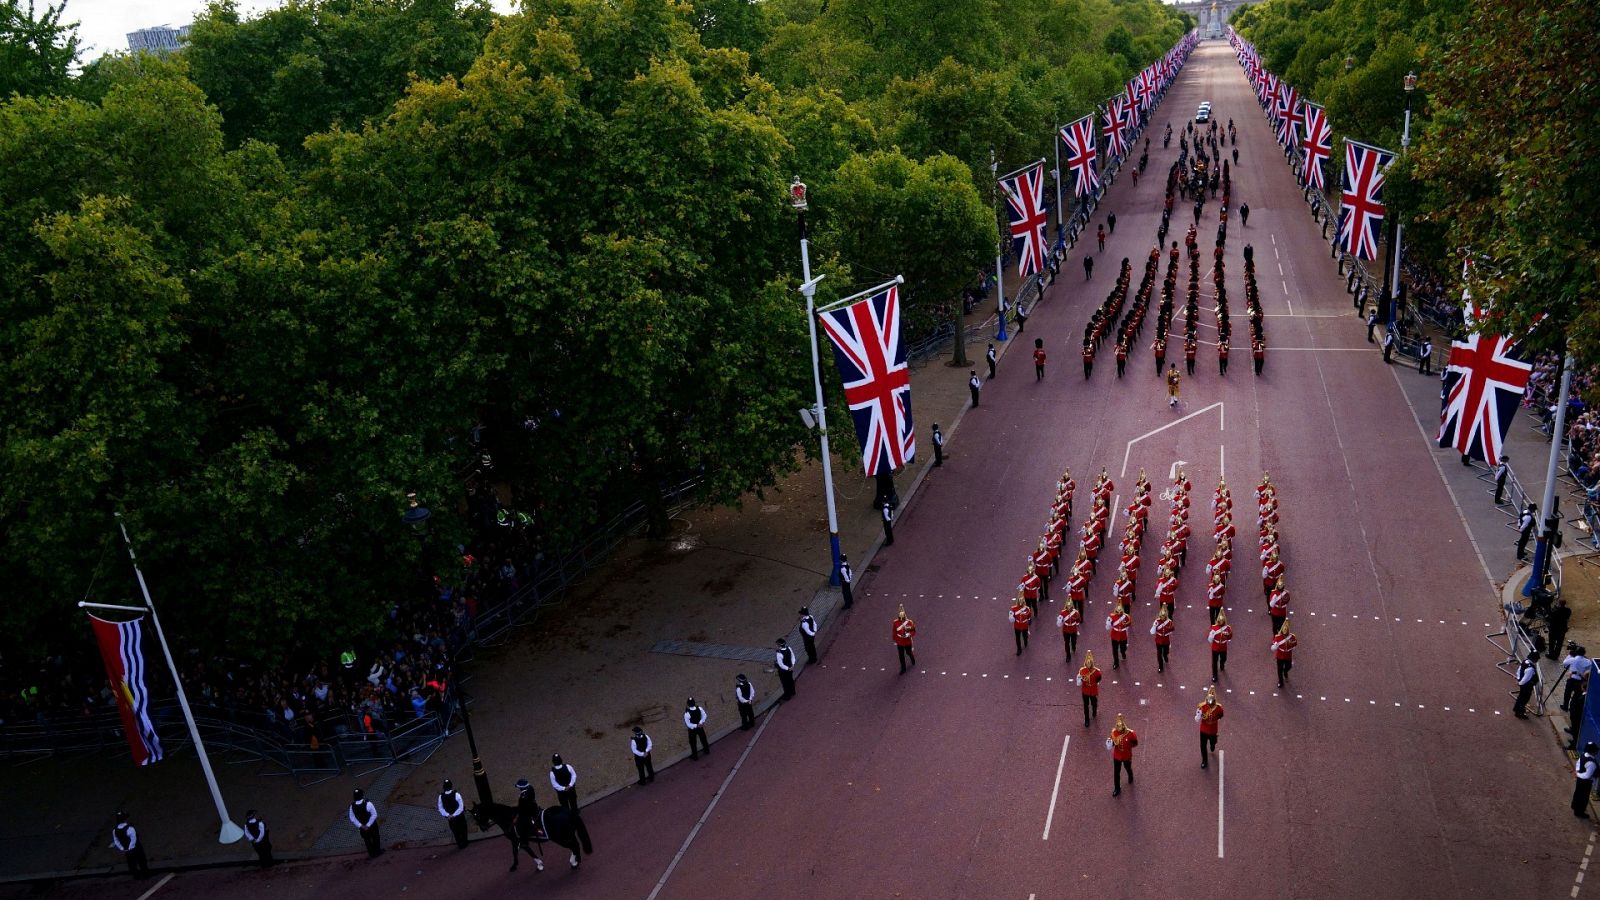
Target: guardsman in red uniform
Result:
[[1224, 532], [1166, 588], [1278, 605], [904, 632], [1089, 676], [1222, 357], [1122, 591], [1159, 346], [1089, 546], [1258, 353], [1021, 620], [1069, 619], [1121, 744], [1283, 644], [1219, 564], [1052, 545], [1078, 589], [1118, 624], [1207, 714], [1040, 560], [1271, 571], [1028, 588], [1066, 485], [1269, 542], [1221, 500], [1122, 357], [1216, 595], [1082, 567], [1103, 485], [1219, 636], [1162, 628], [1266, 486], [1189, 349], [1088, 359], [1181, 532]]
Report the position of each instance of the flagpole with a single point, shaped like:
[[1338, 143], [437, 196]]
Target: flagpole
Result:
[[999, 262], [230, 832], [808, 288], [1552, 521], [1061, 211]]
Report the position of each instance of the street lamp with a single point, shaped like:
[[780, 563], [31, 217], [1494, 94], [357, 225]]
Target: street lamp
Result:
[[1349, 63], [416, 515], [479, 777], [808, 288], [999, 244], [1396, 246]]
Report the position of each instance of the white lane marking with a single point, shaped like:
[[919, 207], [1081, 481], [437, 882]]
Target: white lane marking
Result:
[[1056, 791], [1222, 769], [1280, 265], [1274, 238], [1285, 286], [709, 807], [1199, 412], [158, 886]]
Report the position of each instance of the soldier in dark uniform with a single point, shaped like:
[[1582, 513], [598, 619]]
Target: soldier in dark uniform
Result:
[[564, 778], [364, 816], [453, 807], [255, 831], [125, 837]]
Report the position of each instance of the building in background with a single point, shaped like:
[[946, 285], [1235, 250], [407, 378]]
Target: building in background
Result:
[[161, 39]]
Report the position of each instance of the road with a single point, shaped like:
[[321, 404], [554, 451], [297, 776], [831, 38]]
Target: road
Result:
[[1390, 767]]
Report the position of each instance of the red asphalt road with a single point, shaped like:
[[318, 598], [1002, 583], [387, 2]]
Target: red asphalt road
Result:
[[1384, 770]]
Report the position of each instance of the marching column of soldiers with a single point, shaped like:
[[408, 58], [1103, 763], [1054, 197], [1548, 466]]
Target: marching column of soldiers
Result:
[[1105, 317]]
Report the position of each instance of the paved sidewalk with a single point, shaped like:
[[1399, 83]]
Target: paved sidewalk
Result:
[[661, 621]]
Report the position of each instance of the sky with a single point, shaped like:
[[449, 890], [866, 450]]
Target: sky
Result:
[[104, 24]]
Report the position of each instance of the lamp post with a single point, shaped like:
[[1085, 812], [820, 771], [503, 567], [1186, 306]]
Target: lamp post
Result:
[[416, 515], [808, 288], [1349, 63], [999, 259], [1397, 246], [479, 776], [1552, 519]]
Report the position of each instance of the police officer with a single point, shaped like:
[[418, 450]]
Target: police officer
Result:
[[1583, 786], [453, 807], [808, 633], [744, 694], [990, 357], [640, 746], [527, 809], [1530, 514], [564, 778], [1577, 667], [364, 816], [888, 520], [847, 577], [694, 719], [125, 837], [974, 384], [255, 831], [1425, 357], [1527, 675], [938, 445], [784, 661]]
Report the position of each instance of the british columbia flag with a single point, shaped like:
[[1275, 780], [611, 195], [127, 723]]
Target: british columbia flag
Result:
[[1361, 211], [1079, 138], [1318, 144], [877, 385], [1483, 385], [1024, 193]]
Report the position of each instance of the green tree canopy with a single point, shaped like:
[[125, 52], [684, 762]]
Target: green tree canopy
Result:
[[36, 49]]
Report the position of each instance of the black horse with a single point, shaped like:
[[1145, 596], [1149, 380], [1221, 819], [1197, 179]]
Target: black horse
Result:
[[560, 826]]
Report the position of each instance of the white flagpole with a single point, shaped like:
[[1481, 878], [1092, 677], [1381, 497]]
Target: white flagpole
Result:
[[808, 288], [999, 261], [1061, 211], [230, 832]]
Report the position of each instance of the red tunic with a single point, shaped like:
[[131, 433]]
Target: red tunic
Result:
[[1215, 595], [1069, 620], [1163, 632], [1209, 714], [1220, 638], [1118, 625], [1038, 357], [1122, 745], [1090, 680], [1278, 603], [903, 631], [1030, 586], [1283, 646], [1021, 617]]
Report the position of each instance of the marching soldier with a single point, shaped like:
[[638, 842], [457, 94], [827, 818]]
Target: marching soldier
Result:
[[847, 578], [1219, 636], [1121, 744], [1527, 677], [1088, 359], [1118, 624], [694, 721], [564, 778], [1190, 346], [1207, 714], [1283, 644], [453, 808], [1039, 358], [1271, 573], [888, 524], [784, 661], [904, 632], [808, 633], [1583, 785], [938, 445], [1021, 619], [1068, 619], [1278, 605], [744, 694], [1174, 382], [1089, 676], [640, 746], [974, 384], [1162, 628], [1028, 588], [364, 816], [125, 837], [255, 831], [1258, 354]]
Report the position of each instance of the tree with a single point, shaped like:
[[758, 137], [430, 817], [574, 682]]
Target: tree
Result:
[[1510, 161], [37, 51]]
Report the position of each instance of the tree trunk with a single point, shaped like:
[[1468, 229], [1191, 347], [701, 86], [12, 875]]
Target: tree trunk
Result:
[[959, 358]]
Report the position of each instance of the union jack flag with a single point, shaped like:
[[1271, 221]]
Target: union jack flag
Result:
[[1081, 152], [1115, 145], [1024, 192], [1482, 387], [1318, 144], [1149, 76], [1288, 114], [1361, 211], [877, 385]]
